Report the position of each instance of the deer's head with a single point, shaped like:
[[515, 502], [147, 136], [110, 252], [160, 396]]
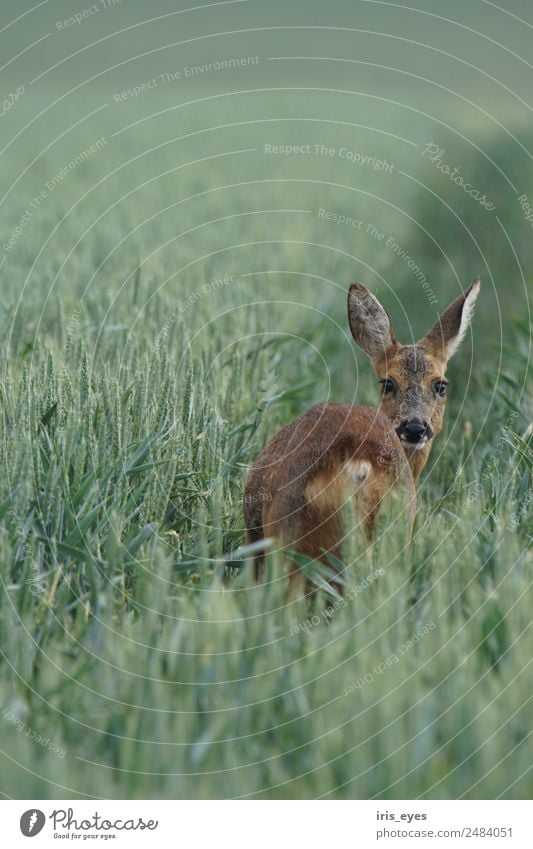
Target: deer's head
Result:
[[412, 377]]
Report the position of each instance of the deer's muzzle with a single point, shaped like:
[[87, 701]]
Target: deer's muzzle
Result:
[[414, 431]]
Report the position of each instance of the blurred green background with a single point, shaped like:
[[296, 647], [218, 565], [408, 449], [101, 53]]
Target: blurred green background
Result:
[[173, 290]]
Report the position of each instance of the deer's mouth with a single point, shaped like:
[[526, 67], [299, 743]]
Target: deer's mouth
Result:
[[414, 433], [414, 446]]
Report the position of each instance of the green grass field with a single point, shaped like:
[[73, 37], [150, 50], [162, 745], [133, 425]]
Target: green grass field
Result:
[[172, 300]]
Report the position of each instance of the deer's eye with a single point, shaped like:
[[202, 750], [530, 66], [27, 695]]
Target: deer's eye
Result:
[[440, 387], [388, 387]]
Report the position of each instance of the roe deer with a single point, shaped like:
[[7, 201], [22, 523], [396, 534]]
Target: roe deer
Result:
[[296, 488]]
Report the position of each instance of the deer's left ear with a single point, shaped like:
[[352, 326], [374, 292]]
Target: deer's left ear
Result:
[[448, 331]]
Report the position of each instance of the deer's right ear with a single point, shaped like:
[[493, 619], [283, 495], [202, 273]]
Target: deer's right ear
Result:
[[447, 333], [369, 323]]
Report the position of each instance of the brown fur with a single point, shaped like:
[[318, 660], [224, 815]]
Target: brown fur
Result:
[[312, 466], [296, 489]]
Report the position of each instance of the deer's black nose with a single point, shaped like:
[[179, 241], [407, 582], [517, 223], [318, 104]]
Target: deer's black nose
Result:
[[414, 430]]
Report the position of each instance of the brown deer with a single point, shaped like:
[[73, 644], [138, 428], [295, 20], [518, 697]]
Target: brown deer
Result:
[[296, 489]]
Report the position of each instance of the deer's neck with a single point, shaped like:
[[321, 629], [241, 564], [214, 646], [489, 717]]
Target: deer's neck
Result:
[[417, 460]]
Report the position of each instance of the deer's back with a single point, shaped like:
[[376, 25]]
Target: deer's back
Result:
[[326, 435], [309, 462]]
